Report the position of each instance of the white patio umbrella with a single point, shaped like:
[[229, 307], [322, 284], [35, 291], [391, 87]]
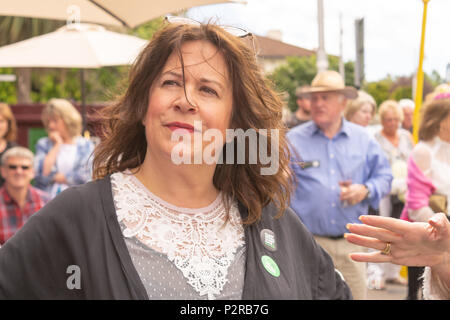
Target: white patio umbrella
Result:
[[73, 46], [129, 13]]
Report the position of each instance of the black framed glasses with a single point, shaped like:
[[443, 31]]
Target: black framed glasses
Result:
[[14, 167], [235, 31]]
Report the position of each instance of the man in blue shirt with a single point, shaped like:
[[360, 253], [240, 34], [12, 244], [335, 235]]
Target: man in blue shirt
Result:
[[340, 170]]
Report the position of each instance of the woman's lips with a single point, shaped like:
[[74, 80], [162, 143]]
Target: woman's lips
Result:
[[179, 125]]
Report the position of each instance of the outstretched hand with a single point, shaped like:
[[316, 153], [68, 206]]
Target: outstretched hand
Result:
[[412, 243]]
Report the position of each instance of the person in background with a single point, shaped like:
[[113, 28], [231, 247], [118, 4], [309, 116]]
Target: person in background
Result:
[[63, 159], [361, 110], [8, 131], [408, 112], [428, 177], [340, 170], [397, 143], [18, 199], [303, 112]]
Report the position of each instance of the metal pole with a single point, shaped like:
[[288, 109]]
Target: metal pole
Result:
[[322, 61], [83, 101], [419, 88], [341, 45], [359, 45]]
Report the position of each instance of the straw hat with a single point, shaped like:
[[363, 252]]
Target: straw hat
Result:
[[330, 81]]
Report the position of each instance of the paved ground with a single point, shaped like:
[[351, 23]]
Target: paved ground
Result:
[[392, 292]]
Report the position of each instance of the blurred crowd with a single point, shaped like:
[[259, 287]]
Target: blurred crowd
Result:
[[28, 181], [418, 188]]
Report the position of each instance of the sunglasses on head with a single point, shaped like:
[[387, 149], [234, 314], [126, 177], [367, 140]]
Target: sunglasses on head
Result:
[[14, 167], [235, 31]]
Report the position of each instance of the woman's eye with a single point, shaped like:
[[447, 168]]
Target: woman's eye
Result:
[[170, 83], [209, 91]]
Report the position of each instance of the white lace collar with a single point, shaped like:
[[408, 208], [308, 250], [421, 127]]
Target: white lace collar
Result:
[[200, 242]]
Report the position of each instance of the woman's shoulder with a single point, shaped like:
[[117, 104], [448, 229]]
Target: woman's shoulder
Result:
[[82, 141], [405, 134], [288, 223], [421, 155], [43, 141], [77, 200]]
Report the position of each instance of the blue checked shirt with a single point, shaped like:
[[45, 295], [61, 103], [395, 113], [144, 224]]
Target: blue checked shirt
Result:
[[350, 155]]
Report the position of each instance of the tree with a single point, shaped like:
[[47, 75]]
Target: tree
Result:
[[400, 87], [299, 71], [148, 29], [7, 89]]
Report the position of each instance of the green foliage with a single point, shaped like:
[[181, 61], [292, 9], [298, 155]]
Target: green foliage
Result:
[[400, 87], [299, 71], [295, 73], [379, 90], [7, 89], [148, 29], [401, 93]]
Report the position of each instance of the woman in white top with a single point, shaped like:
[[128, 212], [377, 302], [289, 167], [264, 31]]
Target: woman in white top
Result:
[[397, 144]]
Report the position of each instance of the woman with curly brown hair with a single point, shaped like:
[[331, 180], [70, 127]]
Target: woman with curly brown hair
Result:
[[153, 227]]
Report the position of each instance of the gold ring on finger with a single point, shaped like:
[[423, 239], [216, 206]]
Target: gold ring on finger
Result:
[[387, 250]]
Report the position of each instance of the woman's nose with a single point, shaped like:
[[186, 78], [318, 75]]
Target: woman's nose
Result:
[[185, 102]]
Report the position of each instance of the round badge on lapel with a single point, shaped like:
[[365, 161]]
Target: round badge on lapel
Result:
[[268, 239], [271, 266]]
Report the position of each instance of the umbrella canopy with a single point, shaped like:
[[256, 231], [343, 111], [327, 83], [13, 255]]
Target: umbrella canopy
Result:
[[129, 13], [73, 46]]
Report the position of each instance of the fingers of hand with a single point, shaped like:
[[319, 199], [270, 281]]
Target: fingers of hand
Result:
[[345, 193], [370, 257], [354, 194], [398, 226], [373, 232], [365, 241], [438, 220]]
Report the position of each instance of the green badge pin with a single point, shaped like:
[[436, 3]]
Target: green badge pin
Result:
[[271, 266]]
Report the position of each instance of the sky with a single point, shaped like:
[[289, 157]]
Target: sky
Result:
[[392, 29]]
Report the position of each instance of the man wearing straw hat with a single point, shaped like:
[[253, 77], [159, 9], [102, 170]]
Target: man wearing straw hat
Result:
[[340, 171]]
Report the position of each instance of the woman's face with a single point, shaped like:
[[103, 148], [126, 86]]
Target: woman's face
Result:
[[56, 124], [209, 98], [3, 127], [390, 122], [363, 115]]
